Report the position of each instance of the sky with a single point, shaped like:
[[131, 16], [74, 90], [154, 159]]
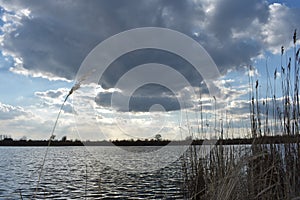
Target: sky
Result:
[[45, 43]]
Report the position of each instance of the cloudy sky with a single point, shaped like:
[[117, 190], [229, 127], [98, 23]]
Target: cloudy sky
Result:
[[44, 43]]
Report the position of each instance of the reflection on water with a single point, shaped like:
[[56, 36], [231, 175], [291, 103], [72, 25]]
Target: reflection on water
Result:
[[78, 172]]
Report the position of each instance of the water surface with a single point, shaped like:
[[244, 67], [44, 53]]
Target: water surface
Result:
[[79, 172]]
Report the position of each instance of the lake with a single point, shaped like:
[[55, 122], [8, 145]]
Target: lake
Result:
[[91, 172]]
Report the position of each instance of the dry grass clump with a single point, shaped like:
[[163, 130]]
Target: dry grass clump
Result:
[[244, 172], [257, 171]]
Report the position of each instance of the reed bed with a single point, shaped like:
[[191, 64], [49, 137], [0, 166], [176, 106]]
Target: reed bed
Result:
[[256, 171]]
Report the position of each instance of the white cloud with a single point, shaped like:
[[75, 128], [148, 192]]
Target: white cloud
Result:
[[19, 69], [34, 122], [53, 96], [9, 112], [278, 30]]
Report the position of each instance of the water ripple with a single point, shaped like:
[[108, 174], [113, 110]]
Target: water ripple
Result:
[[70, 172]]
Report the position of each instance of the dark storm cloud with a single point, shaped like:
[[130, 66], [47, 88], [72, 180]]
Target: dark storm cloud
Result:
[[58, 35], [141, 100], [231, 17], [135, 58], [239, 15]]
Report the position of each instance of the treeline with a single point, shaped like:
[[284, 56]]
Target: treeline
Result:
[[11, 142], [237, 141]]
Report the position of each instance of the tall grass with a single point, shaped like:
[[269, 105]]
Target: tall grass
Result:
[[73, 89], [256, 171]]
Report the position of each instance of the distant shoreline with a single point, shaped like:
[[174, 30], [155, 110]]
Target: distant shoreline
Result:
[[238, 141]]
